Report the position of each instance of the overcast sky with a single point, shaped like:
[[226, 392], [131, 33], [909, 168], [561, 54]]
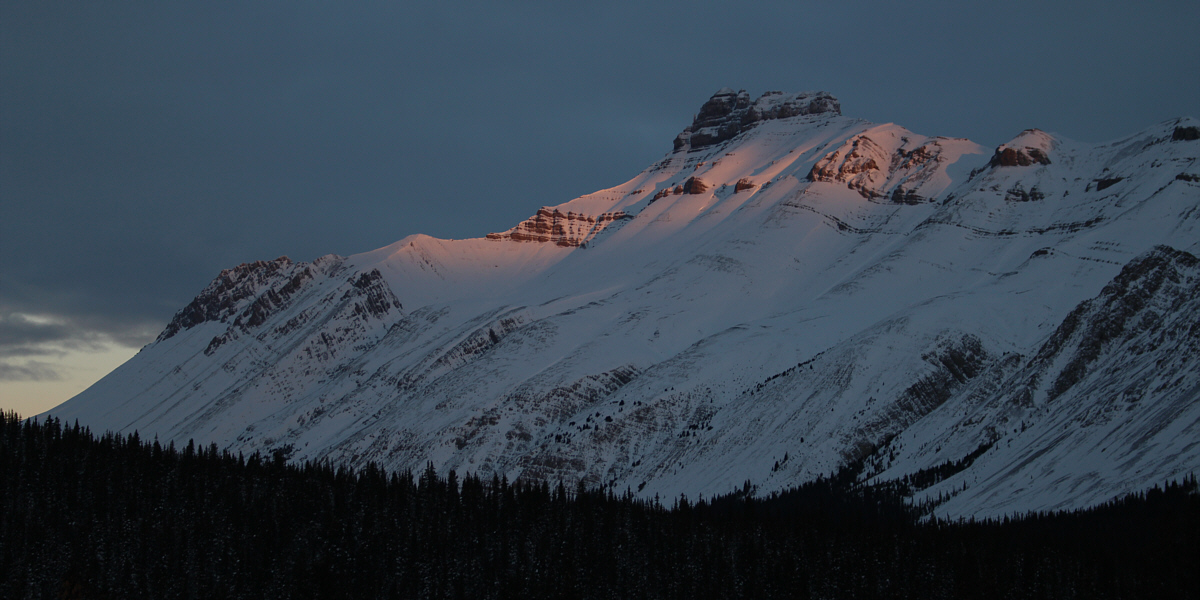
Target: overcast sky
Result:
[[146, 146]]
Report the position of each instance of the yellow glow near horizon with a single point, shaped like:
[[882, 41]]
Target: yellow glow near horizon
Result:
[[79, 370]]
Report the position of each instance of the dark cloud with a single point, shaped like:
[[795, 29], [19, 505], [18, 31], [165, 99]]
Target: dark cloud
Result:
[[146, 146], [18, 330], [26, 338], [23, 351], [30, 371]]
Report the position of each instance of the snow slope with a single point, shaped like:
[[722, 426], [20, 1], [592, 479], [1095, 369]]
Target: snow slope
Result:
[[788, 290]]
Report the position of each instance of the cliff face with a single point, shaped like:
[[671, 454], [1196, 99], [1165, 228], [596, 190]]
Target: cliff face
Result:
[[787, 291], [232, 292], [728, 114], [1031, 148]]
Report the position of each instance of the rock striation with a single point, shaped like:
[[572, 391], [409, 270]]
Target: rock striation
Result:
[[567, 229], [229, 293], [1153, 303], [245, 300]]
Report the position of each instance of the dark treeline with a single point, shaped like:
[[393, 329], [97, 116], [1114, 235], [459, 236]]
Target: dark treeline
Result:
[[119, 517]]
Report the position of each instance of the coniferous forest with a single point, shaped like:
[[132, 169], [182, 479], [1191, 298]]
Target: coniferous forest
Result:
[[85, 516]]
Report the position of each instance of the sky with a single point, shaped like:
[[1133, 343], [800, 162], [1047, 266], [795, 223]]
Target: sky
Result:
[[145, 146]]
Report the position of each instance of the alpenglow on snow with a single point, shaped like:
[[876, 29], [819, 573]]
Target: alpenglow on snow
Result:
[[787, 291]]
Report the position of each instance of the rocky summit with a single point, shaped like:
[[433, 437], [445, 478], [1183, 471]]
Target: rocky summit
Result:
[[786, 292], [730, 113]]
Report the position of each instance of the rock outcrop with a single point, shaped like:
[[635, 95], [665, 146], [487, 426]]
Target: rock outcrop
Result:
[[728, 113], [857, 164], [694, 185], [881, 165], [1185, 134], [1018, 193], [1028, 149], [568, 229], [228, 294], [1019, 157]]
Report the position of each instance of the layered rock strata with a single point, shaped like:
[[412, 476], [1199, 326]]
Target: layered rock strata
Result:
[[568, 229]]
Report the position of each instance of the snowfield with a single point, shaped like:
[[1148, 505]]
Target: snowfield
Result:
[[813, 290]]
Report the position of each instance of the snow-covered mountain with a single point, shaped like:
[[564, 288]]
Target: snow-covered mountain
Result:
[[788, 290]]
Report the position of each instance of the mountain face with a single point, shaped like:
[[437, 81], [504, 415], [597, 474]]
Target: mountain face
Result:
[[789, 290]]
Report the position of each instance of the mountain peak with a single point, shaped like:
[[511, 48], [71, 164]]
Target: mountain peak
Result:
[[1030, 147], [814, 287], [728, 113]]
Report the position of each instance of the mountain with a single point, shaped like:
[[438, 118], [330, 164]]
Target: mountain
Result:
[[787, 291]]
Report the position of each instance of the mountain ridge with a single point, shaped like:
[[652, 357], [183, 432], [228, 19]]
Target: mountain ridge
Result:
[[639, 336]]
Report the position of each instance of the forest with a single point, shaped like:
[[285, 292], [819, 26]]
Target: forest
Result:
[[84, 515]]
